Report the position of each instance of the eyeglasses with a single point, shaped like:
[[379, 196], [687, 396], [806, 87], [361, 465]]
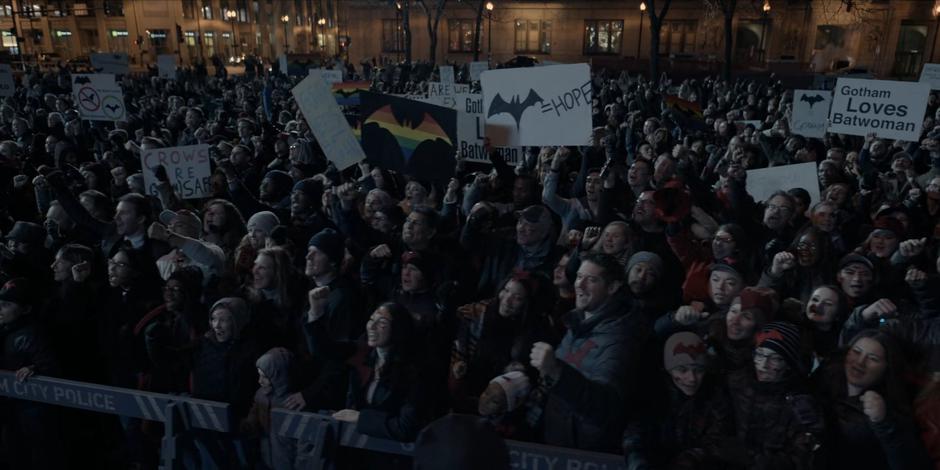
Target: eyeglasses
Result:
[[775, 360]]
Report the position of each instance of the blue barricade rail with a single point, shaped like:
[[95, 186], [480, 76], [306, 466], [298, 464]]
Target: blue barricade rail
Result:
[[312, 427], [202, 414]]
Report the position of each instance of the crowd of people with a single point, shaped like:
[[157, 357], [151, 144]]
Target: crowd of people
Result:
[[629, 296]]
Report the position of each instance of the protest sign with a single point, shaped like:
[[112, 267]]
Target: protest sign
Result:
[[893, 110], [470, 125], [7, 83], [538, 105], [111, 62], [99, 97], [476, 68], [810, 112], [329, 76], [187, 168], [408, 136], [166, 64], [931, 74], [447, 74], [315, 99], [763, 182]]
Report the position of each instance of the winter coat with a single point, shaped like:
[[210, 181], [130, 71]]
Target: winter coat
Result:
[[778, 424], [854, 441], [598, 356], [682, 432], [500, 257], [225, 372]]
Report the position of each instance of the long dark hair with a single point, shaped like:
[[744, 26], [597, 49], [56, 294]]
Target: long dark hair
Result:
[[891, 386]]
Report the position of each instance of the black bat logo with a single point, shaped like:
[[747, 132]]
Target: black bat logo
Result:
[[514, 108], [79, 80], [812, 99], [89, 98], [112, 107]]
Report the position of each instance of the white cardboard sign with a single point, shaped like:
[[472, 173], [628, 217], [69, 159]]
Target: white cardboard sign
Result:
[[447, 74], [810, 112], [315, 99], [538, 105], [477, 68], [7, 83], [893, 110], [166, 63], [763, 182], [931, 74], [99, 97], [187, 167], [111, 62]]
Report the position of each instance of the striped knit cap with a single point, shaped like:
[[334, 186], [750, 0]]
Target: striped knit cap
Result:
[[783, 338]]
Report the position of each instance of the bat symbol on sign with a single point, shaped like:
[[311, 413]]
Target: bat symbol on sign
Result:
[[812, 99], [112, 107], [82, 80], [514, 107]]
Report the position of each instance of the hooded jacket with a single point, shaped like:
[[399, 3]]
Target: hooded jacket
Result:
[[586, 406]]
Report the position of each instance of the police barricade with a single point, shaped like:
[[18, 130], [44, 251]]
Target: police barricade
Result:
[[321, 430], [177, 413]]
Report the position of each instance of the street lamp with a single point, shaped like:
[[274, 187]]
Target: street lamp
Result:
[[639, 42], [231, 15], [936, 30], [765, 10], [489, 48], [285, 19]]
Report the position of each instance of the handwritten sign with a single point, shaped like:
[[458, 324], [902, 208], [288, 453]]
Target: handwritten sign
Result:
[[476, 68], [166, 64], [447, 74], [763, 182], [187, 167], [810, 112], [329, 76], [931, 74]]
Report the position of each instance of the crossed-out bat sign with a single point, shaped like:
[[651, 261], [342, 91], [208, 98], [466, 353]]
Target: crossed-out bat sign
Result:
[[514, 107], [812, 99]]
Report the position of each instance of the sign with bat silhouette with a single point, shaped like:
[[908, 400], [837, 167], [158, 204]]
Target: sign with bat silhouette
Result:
[[810, 112], [186, 167], [931, 74], [316, 101], [408, 136], [538, 105], [7, 84], [110, 62], [99, 97], [166, 65], [891, 109]]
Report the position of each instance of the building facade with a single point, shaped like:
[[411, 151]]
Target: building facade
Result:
[[890, 38]]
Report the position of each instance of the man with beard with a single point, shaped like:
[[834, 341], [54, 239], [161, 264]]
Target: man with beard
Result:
[[644, 273], [586, 375], [306, 216], [533, 250], [273, 193]]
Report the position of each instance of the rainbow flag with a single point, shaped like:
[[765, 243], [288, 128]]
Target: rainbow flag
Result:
[[347, 93], [686, 113], [408, 134]]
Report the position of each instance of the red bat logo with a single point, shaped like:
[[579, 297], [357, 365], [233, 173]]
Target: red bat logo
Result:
[[691, 349], [772, 334]]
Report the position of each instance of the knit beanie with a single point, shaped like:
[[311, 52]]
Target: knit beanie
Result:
[[331, 243], [760, 298], [652, 260], [264, 221], [515, 385], [312, 189], [460, 442], [237, 307], [420, 261], [783, 338], [726, 268], [683, 349]]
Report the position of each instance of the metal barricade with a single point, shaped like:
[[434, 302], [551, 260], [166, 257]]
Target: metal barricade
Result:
[[322, 430], [177, 413]]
